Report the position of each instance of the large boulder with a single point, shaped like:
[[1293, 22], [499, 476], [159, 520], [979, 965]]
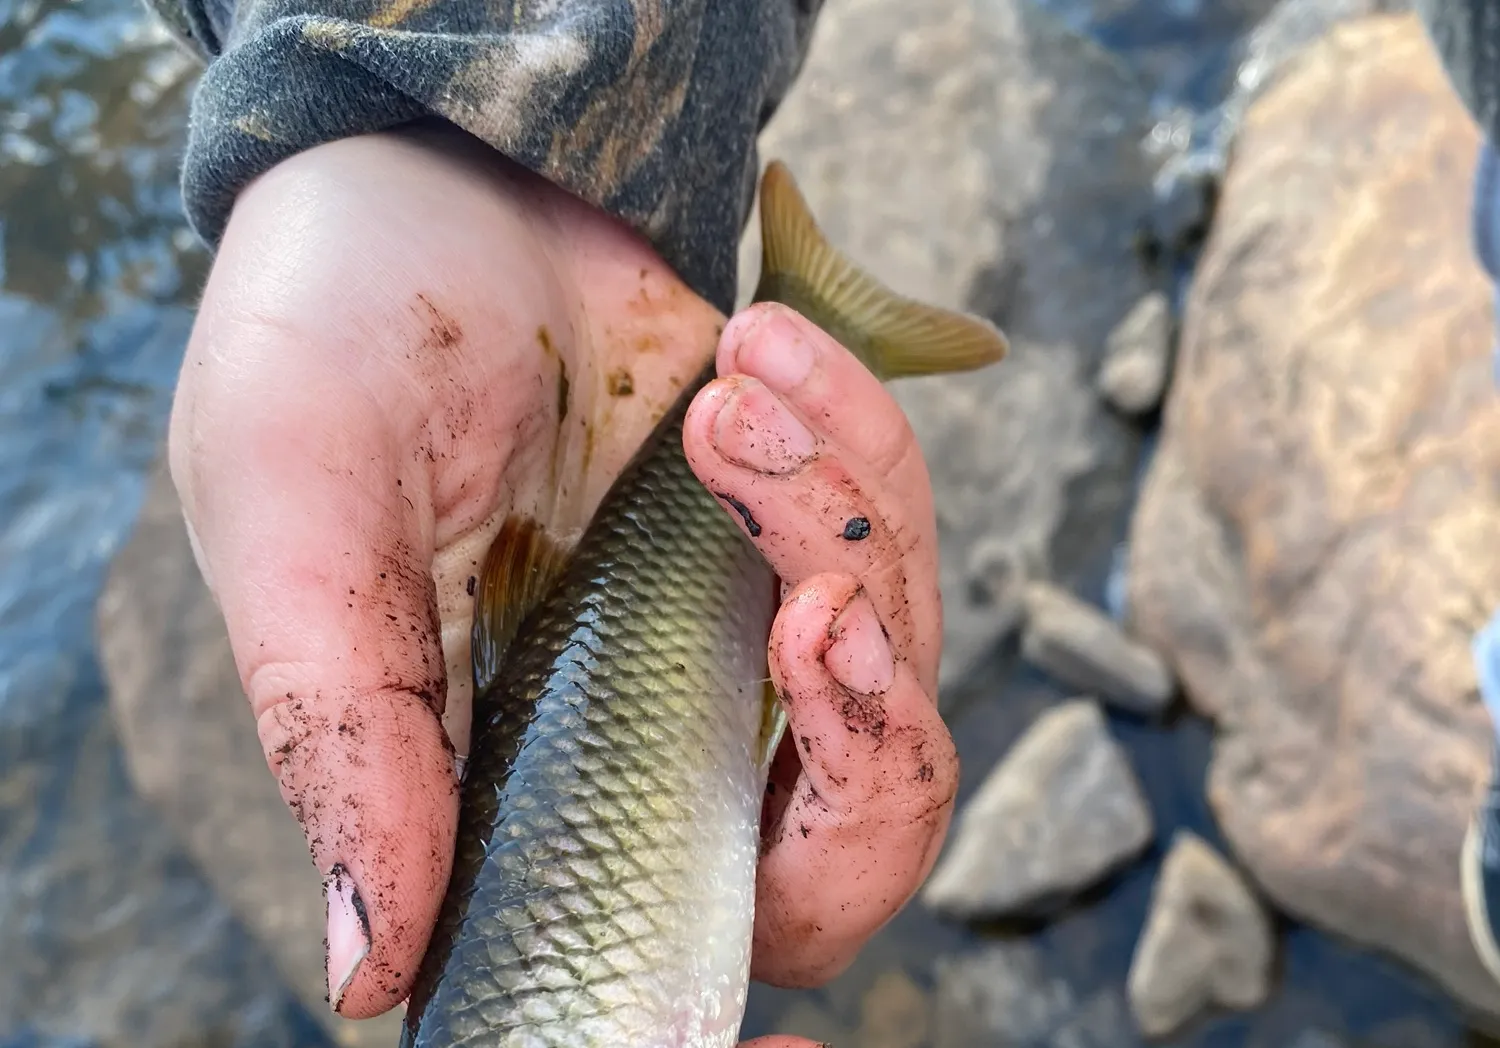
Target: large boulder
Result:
[[1316, 542]]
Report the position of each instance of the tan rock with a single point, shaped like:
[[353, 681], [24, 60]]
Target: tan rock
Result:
[[895, 1013], [1207, 942], [190, 744], [1138, 357], [1316, 541], [1082, 647]]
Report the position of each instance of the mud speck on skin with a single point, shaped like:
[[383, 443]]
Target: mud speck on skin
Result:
[[751, 524], [620, 383], [864, 714], [856, 529], [444, 332], [472, 584]]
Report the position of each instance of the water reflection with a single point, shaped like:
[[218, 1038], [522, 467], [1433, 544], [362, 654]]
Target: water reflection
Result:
[[109, 935]]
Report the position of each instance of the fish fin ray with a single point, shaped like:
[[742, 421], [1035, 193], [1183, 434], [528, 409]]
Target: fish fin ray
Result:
[[894, 336], [520, 569], [772, 724]]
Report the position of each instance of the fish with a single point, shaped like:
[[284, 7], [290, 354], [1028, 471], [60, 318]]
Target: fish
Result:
[[603, 885]]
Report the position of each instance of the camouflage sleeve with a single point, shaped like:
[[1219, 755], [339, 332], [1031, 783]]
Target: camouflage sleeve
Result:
[[1467, 35], [646, 108]]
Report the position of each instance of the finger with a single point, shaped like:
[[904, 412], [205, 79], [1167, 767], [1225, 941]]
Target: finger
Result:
[[315, 525], [825, 383], [811, 505], [865, 822]]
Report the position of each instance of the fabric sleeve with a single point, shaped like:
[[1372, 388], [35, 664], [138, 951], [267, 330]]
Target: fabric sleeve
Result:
[[648, 109]]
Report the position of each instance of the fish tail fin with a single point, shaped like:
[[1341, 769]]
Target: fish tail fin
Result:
[[892, 335], [519, 570]]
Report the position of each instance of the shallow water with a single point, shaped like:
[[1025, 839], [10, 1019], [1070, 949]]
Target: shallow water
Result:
[[109, 935]]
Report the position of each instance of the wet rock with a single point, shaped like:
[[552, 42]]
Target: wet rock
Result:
[[1061, 811], [977, 154], [1194, 147], [1137, 355], [1207, 942], [1003, 997], [895, 1013], [1315, 542], [1081, 647], [192, 751]]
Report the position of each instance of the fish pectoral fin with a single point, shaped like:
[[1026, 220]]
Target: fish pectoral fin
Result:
[[520, 569], [893, 336], [772, 724]]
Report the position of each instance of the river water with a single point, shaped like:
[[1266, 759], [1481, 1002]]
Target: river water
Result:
[[108, 933]]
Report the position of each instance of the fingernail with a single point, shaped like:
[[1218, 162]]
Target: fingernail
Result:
[[860, 657], [757, 431], [778, 352], [348, 931]]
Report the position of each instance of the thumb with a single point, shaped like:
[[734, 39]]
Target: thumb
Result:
[[315, 529]]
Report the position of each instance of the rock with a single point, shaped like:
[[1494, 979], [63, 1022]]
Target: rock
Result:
[[894, 1013], [1083, 649], [806, 1019], [1137, 355], [1002, 997], [1207, 942], [1195, 147], [976, 154], [1061, 811], [1315, 544], [192, 751], [1315, 1039]]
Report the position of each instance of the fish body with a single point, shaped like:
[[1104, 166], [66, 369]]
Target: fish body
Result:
[[603, 888]]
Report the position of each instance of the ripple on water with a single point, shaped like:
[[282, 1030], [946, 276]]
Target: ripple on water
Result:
[[110, 935]]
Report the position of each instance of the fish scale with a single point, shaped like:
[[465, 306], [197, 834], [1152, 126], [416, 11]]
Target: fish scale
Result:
[[603, 887], [615, 889]]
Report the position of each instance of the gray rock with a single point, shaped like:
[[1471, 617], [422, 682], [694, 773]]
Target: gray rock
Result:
[[976, 154], [1207, 942], [1137, 356], [1003, 997], [1061, 811], [1084, 649]]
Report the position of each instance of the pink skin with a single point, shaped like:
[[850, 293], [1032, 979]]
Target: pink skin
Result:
[[372, 386]]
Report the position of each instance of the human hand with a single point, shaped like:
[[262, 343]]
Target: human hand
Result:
[[363, 402], [366, 394], [862, 788]]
